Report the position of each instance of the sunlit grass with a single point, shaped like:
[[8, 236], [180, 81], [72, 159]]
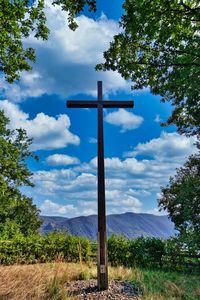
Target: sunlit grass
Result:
[[48, 281]]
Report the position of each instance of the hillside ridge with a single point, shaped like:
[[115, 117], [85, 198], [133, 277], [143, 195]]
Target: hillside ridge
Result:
[[129, 224]]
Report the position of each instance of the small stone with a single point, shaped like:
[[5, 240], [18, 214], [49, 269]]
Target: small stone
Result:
[[87, 289]]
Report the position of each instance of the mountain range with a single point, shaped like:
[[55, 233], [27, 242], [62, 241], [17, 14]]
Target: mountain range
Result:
[[131, 225]]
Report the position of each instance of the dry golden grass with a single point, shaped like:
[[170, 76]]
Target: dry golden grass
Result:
[[20, 282], [197, 292], [173, 290], [48, 281], [122, 273], [154, 297]]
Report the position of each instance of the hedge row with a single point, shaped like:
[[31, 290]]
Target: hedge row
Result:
[[140, 252], [169, 254], [47, 248]]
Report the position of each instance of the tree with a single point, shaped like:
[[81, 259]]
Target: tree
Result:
[[14, 206], [181, 199], [159, 48], [21, 18]]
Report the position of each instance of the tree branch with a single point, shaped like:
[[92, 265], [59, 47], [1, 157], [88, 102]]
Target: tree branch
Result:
[[192, 10], [181, 65]]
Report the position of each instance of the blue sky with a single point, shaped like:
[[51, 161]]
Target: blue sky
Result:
[[140, 155]]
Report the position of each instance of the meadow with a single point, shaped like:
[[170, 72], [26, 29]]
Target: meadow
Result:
[[49, 280], [40, 267]]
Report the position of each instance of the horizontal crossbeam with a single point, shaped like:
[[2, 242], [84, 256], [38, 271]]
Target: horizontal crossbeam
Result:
[[96, 104]]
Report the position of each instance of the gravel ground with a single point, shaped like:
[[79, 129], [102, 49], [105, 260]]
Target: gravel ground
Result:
[[87, 289]]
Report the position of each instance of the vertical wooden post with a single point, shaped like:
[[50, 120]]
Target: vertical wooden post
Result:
[[102, 268]]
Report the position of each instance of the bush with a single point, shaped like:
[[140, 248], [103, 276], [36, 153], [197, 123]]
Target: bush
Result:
[[143, 252], [152, 253], [118, 250], [39, 248], [146, 252]]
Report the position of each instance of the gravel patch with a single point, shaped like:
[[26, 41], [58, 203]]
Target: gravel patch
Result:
[[87, 289]]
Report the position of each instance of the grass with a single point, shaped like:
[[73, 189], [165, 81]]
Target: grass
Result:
[[169, 285], [48, 281]]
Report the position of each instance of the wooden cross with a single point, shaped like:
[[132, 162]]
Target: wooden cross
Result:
[[102, 267]]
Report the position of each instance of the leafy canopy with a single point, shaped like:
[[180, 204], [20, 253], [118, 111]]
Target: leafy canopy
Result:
[[181, 199], [14, 206], [159, 48], [21, 18]]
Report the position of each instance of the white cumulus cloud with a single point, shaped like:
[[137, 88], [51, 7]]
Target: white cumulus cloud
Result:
[[130, 182], [61, 160], [169, 146], [125, 119], [47, 132], [92, 140], [157, 118], [51, 208]]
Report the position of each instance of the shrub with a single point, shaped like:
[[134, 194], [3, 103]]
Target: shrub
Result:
[[146, 252], [150, 253], [118, 250], [39, 248]]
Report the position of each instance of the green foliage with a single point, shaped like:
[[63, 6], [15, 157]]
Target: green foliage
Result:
[[37, 248], [18, 19], [84, 275], [181, 199], [74, 7], [21, 18], [174, 258], [118, 250], [147, 253], [9, 230], [159, 48], [16, 210], [153, 253], [143, 252], [14, 150]]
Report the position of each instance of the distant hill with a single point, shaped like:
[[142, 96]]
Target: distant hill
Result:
[[130, 225], [51, 223]]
